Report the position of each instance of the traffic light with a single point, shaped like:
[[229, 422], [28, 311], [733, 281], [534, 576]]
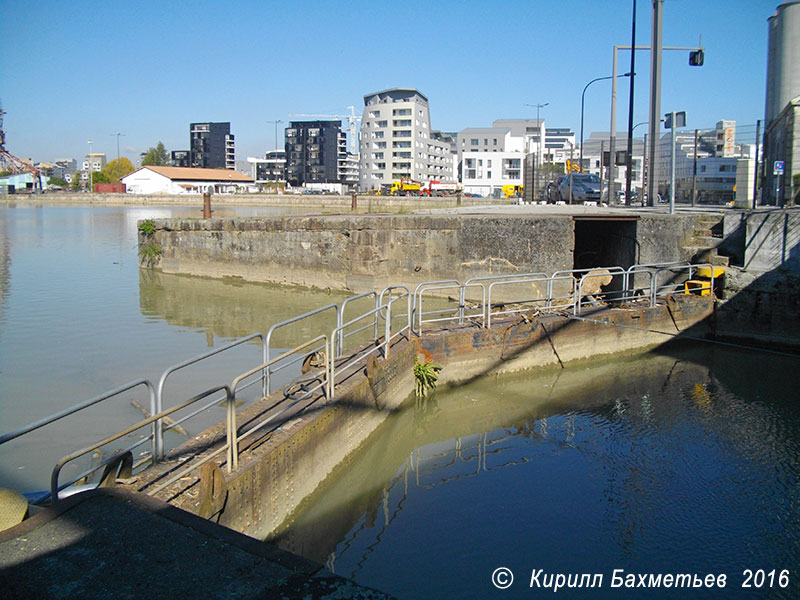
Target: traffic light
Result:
[[696, 58]]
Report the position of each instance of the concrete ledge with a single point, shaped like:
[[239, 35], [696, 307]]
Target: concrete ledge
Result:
[[111, 543]]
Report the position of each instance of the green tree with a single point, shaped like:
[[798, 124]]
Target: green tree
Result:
[[117, 169], [155, 156], [57, 181], [100, 177], [76, 181]]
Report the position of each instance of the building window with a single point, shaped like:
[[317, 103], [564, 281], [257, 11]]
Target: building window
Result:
[[488, 174], [473, 141], [494, 142]]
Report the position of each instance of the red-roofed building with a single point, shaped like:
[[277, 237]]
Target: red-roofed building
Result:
[[184, 180]]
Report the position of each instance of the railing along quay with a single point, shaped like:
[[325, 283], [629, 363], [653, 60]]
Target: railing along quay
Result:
[[344, 344]]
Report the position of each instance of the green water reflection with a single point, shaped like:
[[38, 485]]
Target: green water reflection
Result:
[[679, 462]]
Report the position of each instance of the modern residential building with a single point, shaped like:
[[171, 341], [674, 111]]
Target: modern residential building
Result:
[[181, 180], [270, 169], [397, 141], [782, 112], [558, 143], [95, 162], [212, 146], [313, 149], [181, 158], [489, 158]]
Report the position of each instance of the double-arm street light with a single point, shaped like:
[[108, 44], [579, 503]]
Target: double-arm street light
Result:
[[583, 98]]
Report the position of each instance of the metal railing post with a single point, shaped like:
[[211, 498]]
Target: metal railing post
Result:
[[388, 327]]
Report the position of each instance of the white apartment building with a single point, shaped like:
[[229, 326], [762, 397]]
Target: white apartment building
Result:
[[397, 141], [489, 158], [94, 161]]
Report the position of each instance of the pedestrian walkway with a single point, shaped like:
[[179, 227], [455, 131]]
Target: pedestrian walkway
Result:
[[110, 543]]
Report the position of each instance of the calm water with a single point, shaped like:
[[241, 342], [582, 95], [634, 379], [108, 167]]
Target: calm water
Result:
[[683, 462], [78, 317]]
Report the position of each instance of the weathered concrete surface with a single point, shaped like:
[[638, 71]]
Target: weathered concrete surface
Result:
[[313, 202], [760, 308], [367, 252], [114, 544]]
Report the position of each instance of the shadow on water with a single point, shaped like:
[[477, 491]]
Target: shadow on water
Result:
[[669, 453]]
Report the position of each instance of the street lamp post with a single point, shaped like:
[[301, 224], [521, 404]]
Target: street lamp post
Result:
[[538, 148], [89, 166], [275, 122], [583, 98], [117, 134]]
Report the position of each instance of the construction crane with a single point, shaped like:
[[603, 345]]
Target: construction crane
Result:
[[351, 119], [9, 162]]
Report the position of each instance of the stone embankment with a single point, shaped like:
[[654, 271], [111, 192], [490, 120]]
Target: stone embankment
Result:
[[366, 252]]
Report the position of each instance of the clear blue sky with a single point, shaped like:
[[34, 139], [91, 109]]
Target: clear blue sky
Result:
[[70, 72]]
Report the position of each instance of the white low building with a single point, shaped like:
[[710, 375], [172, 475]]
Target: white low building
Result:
[[184, 180]]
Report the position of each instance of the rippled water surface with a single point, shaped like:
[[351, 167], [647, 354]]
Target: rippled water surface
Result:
[[687, 461], [78, 317]]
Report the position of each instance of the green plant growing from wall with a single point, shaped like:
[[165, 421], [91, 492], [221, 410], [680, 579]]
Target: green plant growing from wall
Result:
[[149, 249], [147, 227], [426, 374]]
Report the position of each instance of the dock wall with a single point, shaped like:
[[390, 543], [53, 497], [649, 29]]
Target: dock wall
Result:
[[359, 253]]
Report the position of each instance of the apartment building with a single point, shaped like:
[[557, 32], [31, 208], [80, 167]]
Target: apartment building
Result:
[[397, 141], [212, 146], [270, 169], [314, 150], [95, 161]]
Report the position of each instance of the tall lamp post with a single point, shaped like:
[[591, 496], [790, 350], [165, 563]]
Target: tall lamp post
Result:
[[276, 122], [644, 157], [583, 98], [117, 134], [538, 147], [89, 166]]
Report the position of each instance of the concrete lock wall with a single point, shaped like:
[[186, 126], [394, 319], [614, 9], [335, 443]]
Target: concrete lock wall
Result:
[[276, 474], [772, 240], [361, 253]]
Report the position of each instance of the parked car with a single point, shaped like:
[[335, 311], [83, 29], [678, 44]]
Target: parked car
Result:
[[552, 189], [585, 187]]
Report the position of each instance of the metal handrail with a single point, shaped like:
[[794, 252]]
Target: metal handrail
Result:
[[589, 274], [268, 389], [340, 316], [54, 488], [159, 431], [417, 300], [494, 284], [233, 441], [479, 280], [649, 268], [80, 406], [388, 335], [656, 292]]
